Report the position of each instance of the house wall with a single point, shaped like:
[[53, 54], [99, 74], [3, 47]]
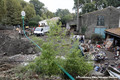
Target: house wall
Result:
[[111, 20]]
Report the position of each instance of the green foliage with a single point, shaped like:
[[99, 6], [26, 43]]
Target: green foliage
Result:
[[37, 5], [115, 3], [2, 9], [32, 23], [99, 4], [67, 18], [46, 62], [96, 37], [65, 15], [62, 12], [89, 7], [30, 12], [13, 16], [75, 63], [36, 18], [10, 12], [56, 46], [81, 3], [46, 14], [38, 40], [23, 3], [49, 14]]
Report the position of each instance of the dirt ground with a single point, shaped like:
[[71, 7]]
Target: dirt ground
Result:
[[14, 51], [10, 44]]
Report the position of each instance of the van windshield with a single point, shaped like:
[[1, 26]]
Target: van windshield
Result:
[[39, 29]]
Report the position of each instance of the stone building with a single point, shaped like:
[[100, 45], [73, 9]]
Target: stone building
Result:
[[98, 21]]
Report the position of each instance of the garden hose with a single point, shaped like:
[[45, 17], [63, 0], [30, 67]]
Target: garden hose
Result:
[[29, 38], [41, 50]]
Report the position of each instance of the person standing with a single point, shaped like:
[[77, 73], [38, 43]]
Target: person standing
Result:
[[19, 33], [82, 40]]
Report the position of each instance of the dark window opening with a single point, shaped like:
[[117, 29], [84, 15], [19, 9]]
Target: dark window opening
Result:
[[100, 21]]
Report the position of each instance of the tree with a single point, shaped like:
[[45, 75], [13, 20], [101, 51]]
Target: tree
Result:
[[100, 4], [37, 5], [23, 3], [114, 3], [35, 18], [30, 12], [34, 21], [77, 5], [80, 5], [88, 7], [67, 18], [49, 14], [64, 14], [13, 16], [92, 5], [2, 9]]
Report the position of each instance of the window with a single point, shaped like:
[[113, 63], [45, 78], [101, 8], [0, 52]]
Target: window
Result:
[[100, 21], [43, 24]]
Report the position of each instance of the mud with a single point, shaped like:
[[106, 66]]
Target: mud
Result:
[[11, 46], [13, 49]]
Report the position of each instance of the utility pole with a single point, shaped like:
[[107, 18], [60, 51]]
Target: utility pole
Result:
[[78, 27]]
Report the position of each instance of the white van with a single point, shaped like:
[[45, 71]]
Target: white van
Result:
[[41, 30]]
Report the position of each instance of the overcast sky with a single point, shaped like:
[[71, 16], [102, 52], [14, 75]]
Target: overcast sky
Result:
[[53, 5]]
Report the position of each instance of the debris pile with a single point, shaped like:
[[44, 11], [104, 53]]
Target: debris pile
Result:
[[11, 46]]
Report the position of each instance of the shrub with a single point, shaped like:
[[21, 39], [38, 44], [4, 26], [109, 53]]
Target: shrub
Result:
[[33, 23], [76, 64], [47, 63]]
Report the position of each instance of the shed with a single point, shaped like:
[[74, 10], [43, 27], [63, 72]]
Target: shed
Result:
[[115, 34]]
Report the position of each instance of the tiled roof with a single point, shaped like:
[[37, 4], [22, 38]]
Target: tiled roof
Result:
[[115, 31]]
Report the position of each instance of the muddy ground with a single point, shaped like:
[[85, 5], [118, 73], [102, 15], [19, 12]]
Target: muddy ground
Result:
[[13, 45], [14, 51]]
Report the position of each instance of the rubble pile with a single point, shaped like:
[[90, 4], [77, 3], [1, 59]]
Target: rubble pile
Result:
[[11, 46]]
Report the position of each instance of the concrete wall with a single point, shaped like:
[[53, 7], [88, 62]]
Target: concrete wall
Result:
[[111, 18]]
